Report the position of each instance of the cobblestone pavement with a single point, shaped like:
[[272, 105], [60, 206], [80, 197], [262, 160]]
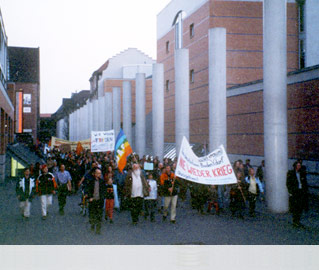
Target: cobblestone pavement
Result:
[[190, 228]]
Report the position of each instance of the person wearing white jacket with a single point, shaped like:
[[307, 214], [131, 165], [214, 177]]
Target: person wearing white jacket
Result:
[[25, 191], [150, 201]]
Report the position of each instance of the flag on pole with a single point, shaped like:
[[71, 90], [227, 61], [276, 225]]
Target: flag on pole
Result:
[[122, 150]]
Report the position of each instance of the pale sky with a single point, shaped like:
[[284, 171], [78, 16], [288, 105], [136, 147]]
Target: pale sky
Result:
[[77, 36]]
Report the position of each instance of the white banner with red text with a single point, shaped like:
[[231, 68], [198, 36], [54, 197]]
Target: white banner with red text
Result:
[[213, 169]]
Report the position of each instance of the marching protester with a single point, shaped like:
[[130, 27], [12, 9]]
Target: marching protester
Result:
[[238, 195], [45, 188], [96, 193], [25, 191], [109, 198], [150, 201], [254, 189], [63, 179], [136, 188], [170, 193], [298, 192]]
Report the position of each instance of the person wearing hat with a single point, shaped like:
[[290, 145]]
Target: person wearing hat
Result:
[[45, 188]]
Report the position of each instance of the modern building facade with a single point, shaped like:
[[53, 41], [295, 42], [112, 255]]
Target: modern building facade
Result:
[[6, 105], [98, 110]]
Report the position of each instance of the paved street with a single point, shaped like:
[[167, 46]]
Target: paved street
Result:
[[191, 227]]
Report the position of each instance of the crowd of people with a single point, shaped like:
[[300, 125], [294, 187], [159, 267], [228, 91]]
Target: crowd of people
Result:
[[102, 187]]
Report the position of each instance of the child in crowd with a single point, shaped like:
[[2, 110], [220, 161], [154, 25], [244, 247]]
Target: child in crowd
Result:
[[150, 201], [109, 202]]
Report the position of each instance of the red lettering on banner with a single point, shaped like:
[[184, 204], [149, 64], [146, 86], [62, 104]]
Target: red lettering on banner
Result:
[[182, 163], [222, 171], [229, 169]]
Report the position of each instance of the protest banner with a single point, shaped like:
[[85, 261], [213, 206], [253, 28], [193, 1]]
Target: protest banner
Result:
[[213, 169], [66, 146], [102, 141]]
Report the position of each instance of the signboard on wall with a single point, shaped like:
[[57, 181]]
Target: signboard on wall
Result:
[[26, 99]]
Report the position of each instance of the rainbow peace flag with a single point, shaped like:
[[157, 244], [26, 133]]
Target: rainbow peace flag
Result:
[[122, 150]]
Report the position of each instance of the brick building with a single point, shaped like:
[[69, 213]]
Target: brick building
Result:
[[24, 87], [243, 21]]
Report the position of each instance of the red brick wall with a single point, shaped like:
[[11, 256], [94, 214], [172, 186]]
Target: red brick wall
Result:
[[243, 22], [245, 122]]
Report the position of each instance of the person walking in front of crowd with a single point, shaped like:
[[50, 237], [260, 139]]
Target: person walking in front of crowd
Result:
[[255, 187], [238, 193], [150, 201], [96, 193], [45, 187], [136, 188], [119, 181], [109, 199], [170, 193], [25, 191], [89, 176], [63, 179], [298, 192]]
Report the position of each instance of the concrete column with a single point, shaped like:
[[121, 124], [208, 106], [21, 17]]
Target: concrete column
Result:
[[181, 96], [70, 127], [101, 115], [85, 122], [90, 117], [311, 32], [78, 122], [140, 137], [217, 88], [108, 111], [95, 122], [80, 137], [73, 127], [116, 110], [127, 110], [275, 104], [158, 110]]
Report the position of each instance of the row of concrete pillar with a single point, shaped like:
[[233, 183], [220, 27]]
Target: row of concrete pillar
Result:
[[275, 103]]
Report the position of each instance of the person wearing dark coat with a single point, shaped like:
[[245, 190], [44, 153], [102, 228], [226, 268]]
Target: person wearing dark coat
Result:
[[298, 192], [96, 193]]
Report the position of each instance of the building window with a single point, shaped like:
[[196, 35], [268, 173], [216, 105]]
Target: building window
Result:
[[302, 40], [191, 76], [167, 46], [191, 30], [167, 85]]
